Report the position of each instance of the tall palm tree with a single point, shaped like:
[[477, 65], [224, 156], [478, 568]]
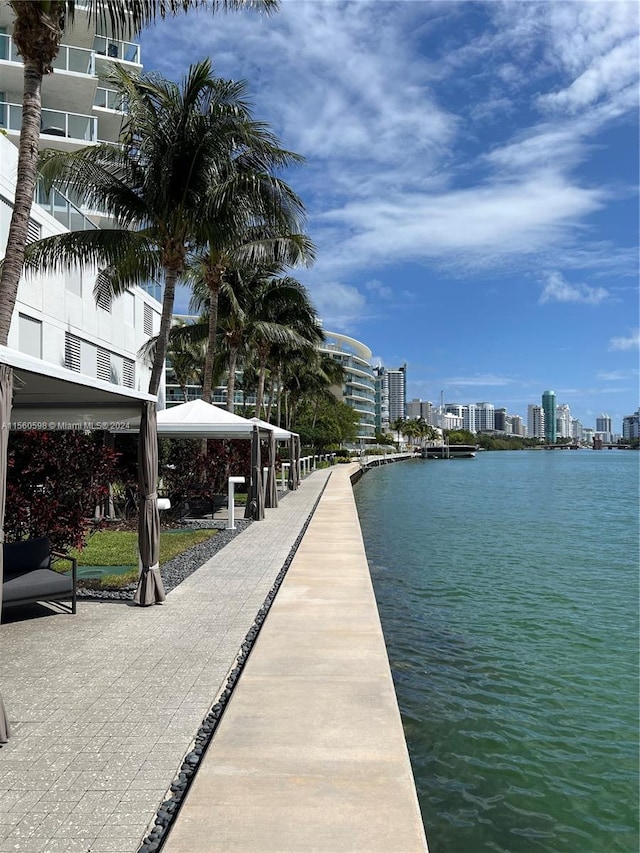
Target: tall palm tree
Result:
[[37, 34], [272, 242], [174, 142]]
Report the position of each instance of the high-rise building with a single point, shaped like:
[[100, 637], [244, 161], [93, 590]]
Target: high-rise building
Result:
[[604, 428], [469, 418], [358, 389], [535, 421], [631, 426], [577, 430], [549, 408], [563, 421], [391, 394], [517, 426], [485, 417]]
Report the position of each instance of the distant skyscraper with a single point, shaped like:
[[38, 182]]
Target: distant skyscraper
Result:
[[517, 426], [563, 421], [391, 395], [485, 417], [577, 429], [631, 426], [395, 387], [535, 421], [549, 408], [603, 427]]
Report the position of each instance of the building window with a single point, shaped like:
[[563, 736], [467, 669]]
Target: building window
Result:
[[129, 309], [128, 373], [103, 365], [29, 336], [72, 352], [147, 320]]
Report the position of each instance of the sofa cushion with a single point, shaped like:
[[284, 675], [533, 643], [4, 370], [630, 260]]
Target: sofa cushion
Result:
[[37, 585], [23, 556]]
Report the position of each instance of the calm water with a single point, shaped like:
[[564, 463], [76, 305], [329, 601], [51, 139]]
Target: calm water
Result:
[[508, 592]]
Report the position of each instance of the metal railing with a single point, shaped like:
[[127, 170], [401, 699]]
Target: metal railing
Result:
[[110, 99], [80, 60], [122, 51], [59, 206], [54, 122]]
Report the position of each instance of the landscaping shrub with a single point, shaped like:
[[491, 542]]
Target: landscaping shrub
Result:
[[54, 482], [188, 473]]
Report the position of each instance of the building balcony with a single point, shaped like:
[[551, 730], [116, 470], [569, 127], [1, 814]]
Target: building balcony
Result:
[[109, 50], [62, 130], [59, 206], [110, 99], [75, 60]]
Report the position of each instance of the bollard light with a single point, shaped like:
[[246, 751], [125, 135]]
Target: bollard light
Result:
[[231, 521]]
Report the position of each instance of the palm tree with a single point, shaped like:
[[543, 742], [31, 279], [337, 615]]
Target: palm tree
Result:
[[175, 140], [186, 358], [272, 242], [37, 33]]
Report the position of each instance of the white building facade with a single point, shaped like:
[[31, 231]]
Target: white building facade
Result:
[[359, 388], [56, 317]]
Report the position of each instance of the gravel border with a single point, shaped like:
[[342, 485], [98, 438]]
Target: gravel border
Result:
[[169, 809]]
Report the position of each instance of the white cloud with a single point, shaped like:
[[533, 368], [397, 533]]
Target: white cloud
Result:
[[379, 289], [632, 341], [558, 289], [339, 305]]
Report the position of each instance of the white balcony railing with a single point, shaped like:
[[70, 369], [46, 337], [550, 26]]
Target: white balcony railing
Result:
[[54, 123], [76, 59], [110, 99], [59, 206], [121, 51]]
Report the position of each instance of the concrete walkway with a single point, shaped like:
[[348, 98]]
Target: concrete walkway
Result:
[[310, 754], [104, 704]]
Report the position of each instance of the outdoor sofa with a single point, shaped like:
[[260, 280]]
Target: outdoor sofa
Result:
[[28, 576]]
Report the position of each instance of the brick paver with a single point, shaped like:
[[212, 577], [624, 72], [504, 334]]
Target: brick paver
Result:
[[105, 704]]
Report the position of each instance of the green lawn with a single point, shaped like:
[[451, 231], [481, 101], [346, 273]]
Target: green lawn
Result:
[[119, 548]]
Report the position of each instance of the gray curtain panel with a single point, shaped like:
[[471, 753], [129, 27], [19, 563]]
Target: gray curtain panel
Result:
[[291, 482], [150, 588], [255, 500], [6, 391], [271, 499]]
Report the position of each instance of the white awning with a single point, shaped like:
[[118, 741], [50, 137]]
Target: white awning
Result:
[[280, 434], [49, 396]]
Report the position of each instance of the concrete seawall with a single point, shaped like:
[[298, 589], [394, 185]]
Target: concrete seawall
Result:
[[310, 754]]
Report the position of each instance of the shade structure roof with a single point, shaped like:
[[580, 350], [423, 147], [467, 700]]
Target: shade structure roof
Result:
[[198, 419], [280, 434], [58, 398]]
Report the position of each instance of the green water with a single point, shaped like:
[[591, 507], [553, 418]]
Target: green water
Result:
[[508, 592]]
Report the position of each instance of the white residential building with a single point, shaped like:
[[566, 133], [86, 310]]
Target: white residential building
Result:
[[359, 386], [484, 417], [535, 421], [56, 317], [563, 421]]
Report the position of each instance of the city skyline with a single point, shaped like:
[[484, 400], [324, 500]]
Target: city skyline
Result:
[[471, 181]]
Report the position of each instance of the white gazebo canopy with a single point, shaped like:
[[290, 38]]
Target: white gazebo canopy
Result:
[[280, 434], [198, 419]]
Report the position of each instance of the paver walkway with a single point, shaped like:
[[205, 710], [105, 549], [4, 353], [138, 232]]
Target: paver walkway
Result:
[[104, 704]]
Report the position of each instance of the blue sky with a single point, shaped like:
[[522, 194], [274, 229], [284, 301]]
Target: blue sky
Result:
[[471, 182]]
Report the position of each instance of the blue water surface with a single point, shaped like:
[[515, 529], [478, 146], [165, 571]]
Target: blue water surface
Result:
[[508, 592]]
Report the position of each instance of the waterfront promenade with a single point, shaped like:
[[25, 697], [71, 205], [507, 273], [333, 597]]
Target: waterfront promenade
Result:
[[105, 705]]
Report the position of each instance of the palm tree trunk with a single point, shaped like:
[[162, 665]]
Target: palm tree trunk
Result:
[[25, 187], [260, 391], [231, 378], [274, 393], [207, 380], [170, 278]]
